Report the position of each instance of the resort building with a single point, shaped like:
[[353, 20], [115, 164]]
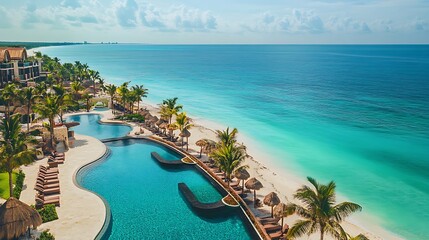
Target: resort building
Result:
[[14, 66]]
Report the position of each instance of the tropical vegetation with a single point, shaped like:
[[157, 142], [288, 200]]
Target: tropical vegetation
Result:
[[13, 147], [319, 211]]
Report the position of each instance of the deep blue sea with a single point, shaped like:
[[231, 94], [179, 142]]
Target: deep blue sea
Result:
[[355, 114]]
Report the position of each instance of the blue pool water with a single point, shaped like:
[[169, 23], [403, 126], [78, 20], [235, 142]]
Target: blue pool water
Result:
[[145, 201], [90, 126], [355, 114]]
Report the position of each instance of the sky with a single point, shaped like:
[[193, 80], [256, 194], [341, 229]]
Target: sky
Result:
[[216, 21]]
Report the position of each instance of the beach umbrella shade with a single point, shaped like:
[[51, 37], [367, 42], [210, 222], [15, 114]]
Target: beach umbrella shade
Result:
[[254, 184], [209, 146], [185, 133], [271, 200], [201, 143], [163, 126], [16, 217], [159, 122], [280, 210], [243, 175]]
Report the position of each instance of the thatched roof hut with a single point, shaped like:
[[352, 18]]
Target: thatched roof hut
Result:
[[254, 184], [16, 217], [271, 200]]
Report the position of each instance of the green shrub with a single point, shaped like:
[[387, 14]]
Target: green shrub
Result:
[[46, 235], [18, 184], [48, 213], [35, 132]]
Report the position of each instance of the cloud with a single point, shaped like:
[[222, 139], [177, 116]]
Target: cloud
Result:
[[294, 21], [88, 19], [71, 4], [336, 24], [177, 18], [420, 25], [126, 13]]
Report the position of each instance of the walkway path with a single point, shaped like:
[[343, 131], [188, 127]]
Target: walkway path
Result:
[[81, 214]]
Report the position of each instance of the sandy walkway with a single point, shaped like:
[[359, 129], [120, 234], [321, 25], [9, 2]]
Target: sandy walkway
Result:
[[81, 214]]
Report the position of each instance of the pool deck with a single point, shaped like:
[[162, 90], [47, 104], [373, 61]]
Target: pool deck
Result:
[[82, 213]]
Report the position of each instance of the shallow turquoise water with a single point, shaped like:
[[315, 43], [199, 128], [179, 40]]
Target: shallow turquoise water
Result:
[[89, 126], [145, 201], [355, 114]]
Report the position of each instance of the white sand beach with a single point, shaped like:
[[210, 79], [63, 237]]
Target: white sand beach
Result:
[[274, 178]]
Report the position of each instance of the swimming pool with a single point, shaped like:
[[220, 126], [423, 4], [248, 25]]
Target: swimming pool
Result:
[[89, 125], [144, 199]]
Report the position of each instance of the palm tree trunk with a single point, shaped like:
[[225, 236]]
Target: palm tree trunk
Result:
[[138, 106], [321, 233], [51, 129], [254, 198], [28, 117], [182, 142], [10, 184], [201, 151], [242, 187], [272, 211], [187, 143]]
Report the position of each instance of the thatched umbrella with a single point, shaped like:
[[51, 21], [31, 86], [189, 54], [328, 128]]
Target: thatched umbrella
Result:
[[209, 146], [242, 174], [187, 134], [171, 128], [163, 126], [201, 143], [153, 120], [280, 211], [254, 184], [16, 217], [159, 122], [271, 200]]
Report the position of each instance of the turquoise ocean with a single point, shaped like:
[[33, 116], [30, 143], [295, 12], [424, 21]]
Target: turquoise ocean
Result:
[[355, 114]]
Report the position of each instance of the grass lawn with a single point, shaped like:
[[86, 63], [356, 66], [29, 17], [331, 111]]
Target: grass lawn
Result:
[[4, 184]]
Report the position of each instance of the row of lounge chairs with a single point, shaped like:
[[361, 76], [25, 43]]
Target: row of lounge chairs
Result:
[[270, 225], [273, 229], [47, 183]]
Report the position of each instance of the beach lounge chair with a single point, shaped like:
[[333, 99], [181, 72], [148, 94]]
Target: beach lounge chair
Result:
[[47, 181], [50, 185], [47, 176], [278, 234], [272, 227], [47, 191], [42, 201], [265, 220], [48, 169], [58, 160]]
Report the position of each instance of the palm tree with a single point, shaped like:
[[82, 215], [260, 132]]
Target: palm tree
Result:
[[123, 93], [9, 95], [28, 97], [64, 99], [87, 97], [226, 137], [182, 123], [94, 75], [111, 90], [76, 88], [13, 148], [228, 158], [41, 89], [172, 107], [102, 84], [140, 92], [319, 211], [49, 108]]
